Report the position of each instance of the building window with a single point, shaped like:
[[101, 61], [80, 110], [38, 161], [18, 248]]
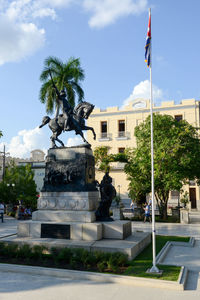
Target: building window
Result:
[[121, 128], [178, 117], [104, 129], [121, 150]]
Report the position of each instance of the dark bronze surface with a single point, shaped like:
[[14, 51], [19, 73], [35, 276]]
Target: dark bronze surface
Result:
[[55, 231]]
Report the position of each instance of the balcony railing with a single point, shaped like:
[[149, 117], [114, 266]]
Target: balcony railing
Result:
[[105, 136], [124, 135]]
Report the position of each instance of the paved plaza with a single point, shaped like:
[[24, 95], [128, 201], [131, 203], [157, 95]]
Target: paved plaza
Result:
[[27, 286]]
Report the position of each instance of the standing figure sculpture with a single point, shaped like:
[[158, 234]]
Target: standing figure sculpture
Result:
[[70, 119], [107, 192]]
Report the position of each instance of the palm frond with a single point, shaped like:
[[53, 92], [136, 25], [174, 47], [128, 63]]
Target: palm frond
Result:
[[66, 76], [79, 91], [70, 94]]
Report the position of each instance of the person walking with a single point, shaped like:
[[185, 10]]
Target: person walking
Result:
[[147, 215], [132, 206], [1, 211]]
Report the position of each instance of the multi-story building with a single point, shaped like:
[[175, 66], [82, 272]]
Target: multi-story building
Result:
[[36, 161], [115, 128]]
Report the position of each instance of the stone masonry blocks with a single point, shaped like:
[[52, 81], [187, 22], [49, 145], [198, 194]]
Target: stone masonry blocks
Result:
[[92, 232], [117, 230]]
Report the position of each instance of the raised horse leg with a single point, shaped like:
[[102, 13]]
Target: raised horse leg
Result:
[[81, 134], [90, 128]]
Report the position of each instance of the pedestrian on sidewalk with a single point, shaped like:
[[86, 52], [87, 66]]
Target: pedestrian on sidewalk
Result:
[[133, 206], [1, 211], [147, 215]]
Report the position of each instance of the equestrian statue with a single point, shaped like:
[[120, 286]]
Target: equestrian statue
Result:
[[70, 119]]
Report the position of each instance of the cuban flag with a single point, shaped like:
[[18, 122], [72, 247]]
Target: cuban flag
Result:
[[148, 43]]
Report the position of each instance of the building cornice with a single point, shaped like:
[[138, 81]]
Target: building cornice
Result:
[[146, 110]]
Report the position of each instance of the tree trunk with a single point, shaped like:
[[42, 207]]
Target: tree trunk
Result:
[[162, 201]]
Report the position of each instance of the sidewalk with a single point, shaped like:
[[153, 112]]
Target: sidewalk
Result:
[[8, 227], [179, 255], [191, 230]]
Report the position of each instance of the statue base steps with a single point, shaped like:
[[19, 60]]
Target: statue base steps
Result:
[[75, 230], [131, 246]]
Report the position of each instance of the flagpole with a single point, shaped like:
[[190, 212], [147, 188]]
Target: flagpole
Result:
[[154, 268]]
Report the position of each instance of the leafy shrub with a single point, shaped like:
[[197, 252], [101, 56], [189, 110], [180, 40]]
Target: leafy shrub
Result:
[[63, 255], [11, 250], [122, 259], [112, 263], [3, 249], [89, 260], [38, 251], [24, 252], [78, 257], [101, 266]]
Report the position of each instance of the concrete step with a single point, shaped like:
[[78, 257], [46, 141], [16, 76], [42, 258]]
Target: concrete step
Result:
[[194, 218], [193, 280], [131, 246]]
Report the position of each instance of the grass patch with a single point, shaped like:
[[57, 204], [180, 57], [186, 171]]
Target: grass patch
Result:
[[81, 259], [143, 261]]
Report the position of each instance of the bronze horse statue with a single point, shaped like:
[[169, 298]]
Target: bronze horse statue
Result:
[[76, 122]]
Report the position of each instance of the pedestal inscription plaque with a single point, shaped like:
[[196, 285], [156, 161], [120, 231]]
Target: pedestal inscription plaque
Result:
[[55, 231]]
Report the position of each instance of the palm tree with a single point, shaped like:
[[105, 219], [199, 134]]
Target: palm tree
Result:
[[66, 77]]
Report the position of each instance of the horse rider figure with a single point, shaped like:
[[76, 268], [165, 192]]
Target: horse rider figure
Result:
[[66, 108]]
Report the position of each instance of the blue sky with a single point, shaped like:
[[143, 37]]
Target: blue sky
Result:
[[109, 38]]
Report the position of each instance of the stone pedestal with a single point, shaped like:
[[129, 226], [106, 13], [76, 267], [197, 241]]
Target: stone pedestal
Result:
[[75, 201], [117, 230], [68, 201], [117, 213], [184, 216], [70, 170]]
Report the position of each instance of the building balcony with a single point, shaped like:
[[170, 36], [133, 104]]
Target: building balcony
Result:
[[104, 136], [123, 135]]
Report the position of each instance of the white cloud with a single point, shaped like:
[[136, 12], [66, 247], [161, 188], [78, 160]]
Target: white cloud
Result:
[[44, 12], [75, 141], [142, 90], [18, 40], [106, 12], [21, 37], [57, 3], [26, 141]]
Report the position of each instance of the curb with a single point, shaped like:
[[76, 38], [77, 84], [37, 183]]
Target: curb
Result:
[[183, 276], [97, 277]]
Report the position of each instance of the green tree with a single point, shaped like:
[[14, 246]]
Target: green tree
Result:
[[102, 159], [19, 185], [67, 77], [176, 158]]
